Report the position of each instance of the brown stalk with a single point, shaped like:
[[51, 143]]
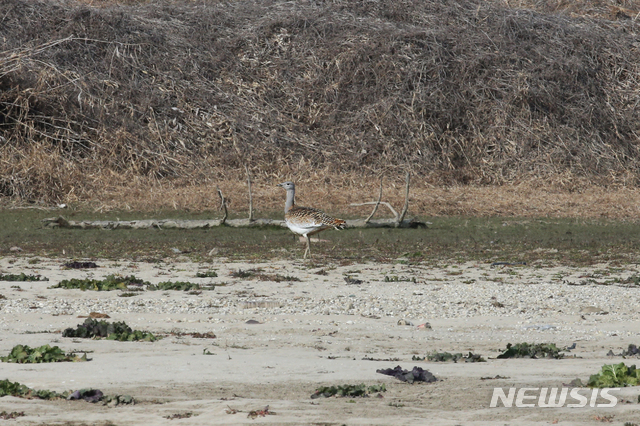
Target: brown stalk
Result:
[[406, 201], [250, 194], [377, 203], [223, 206]]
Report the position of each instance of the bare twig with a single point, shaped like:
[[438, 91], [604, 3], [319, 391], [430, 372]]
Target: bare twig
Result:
[[250, 195], [384, 203], [406, 201], [223, 205], [377, 203]]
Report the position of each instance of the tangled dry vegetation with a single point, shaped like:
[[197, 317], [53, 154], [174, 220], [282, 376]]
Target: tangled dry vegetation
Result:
[[100, 95]]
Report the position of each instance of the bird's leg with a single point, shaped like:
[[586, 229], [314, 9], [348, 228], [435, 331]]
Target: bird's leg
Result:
[[308, 250]]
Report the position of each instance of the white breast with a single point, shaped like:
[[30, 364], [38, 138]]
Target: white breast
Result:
[[304, 228]]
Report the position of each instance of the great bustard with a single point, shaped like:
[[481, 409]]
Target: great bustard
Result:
[[305, 220]]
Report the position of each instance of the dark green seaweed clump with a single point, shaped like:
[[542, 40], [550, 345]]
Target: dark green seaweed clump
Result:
[[348, 390], [532, 350], [23, 354], [615, 376], [449, 357], [179, 285], [6, 415], [120, 331], [111, 282], [16, 389], [22, 277], [79, 265], [207, 274]]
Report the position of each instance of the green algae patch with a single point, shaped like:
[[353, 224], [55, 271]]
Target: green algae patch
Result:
[[23, 354], [8, 388], [615, 376], [111, 282], [351, 391], [120, 331], [22, 277], [532, 350], [179, 285]]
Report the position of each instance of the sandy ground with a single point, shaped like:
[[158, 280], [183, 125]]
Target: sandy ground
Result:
[[316, 332]]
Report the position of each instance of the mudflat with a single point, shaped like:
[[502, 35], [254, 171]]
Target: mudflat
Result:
[[286, 328]]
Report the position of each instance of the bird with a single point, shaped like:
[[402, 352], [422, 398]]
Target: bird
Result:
[[306, 221]]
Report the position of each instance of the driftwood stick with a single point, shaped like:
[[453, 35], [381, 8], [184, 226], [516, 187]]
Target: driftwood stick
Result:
[[250, 195], [406, 201], [223, 205], [62, 223], [384, 203], [377, 203]]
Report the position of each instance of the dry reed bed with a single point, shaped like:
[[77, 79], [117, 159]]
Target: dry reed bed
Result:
[[524, 200], [175, 96]]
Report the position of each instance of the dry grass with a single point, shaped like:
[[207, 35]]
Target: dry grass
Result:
[[150, 105], [426, 200], [602, 9]]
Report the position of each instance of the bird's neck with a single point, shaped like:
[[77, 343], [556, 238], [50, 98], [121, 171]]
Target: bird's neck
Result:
[[291, 193]]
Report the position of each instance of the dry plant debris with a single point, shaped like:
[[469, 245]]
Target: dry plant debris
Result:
[[195, 335], [89, 395], [186, 415], [96, 395], [632, 350], [95, 315], [258, 274], [260, 413], [249, 273], [449, 357], [417, 374], [79, 265], [605, 419], [180, 285], [5, 415]]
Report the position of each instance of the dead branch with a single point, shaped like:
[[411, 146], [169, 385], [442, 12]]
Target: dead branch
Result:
[[250, 195], [384, 203], [377, 203], [406, 201], [61, 222], [223, 205]]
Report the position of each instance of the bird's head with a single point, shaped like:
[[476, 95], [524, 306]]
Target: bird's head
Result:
[[287, 185]]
